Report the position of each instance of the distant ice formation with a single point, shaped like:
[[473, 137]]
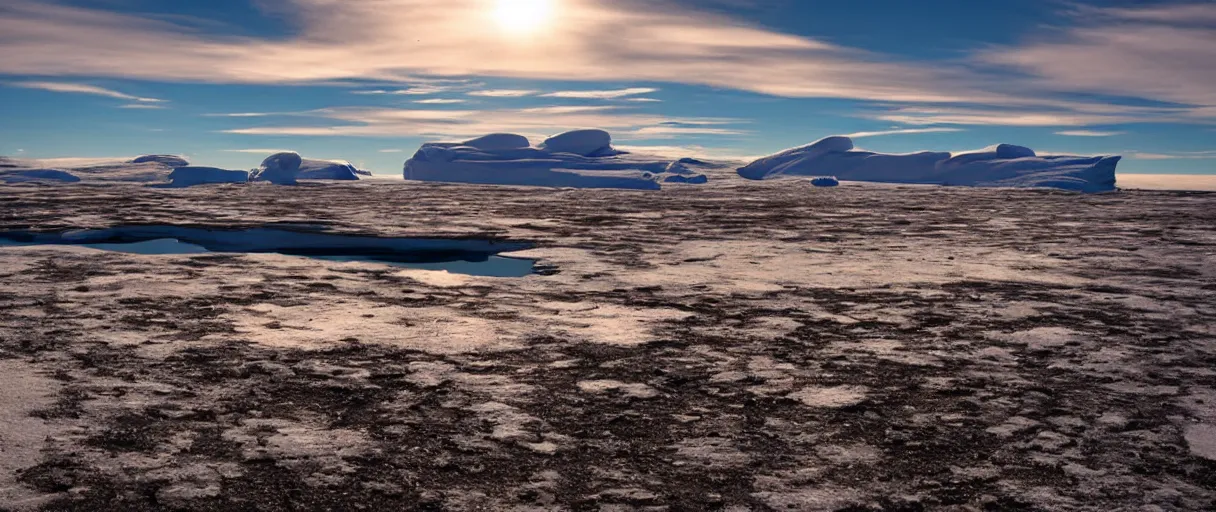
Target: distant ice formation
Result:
[[35, 175], [146, 169], [311, 169], [1004, 165], [167, 160], [289, 167], [580, 158], [279, 168], [189, 176]]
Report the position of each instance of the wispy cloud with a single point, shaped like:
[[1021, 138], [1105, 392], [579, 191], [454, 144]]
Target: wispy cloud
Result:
[[1123, 52], [81, 89], [1183, 155], [439, 101], [418, 90], [503, 93], [1089, 133], [643, 100], [259, 151], [459, 124], [240, 114], [601, 95], [1047, 116], [652, 41], [1161, 51], [694, 151], [392, 151], [142, 106], [902, 131], [667, 131]]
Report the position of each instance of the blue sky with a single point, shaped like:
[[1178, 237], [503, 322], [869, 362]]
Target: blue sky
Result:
[[227, 81]]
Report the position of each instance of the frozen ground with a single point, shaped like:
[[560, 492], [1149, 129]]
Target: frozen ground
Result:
[[749, 346]]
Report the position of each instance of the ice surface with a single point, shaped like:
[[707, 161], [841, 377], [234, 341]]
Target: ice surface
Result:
[[195, 175], [271, 240], [466, 256], [695, 179], [580, 159], [1004, 165]]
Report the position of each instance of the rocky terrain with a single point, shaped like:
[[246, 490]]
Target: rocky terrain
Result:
[[750, 346]]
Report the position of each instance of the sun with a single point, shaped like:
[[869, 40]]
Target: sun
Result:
[[523, 16]]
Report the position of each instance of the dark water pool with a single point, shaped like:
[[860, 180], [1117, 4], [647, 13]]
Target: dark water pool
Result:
[[478, 257]]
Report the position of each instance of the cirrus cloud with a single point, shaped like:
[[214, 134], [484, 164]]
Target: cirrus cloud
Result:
[[602, 95], [81, 89]]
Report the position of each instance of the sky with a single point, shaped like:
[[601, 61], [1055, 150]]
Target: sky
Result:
[[227, 82]]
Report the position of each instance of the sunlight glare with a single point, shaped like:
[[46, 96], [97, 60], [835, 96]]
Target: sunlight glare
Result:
[[523, 16]]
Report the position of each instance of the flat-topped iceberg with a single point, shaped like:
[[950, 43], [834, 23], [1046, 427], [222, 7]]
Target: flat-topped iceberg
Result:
[[580, 159], [1004, 165]]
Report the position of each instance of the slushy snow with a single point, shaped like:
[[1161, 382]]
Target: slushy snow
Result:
[[1004, 165], [580, 159]]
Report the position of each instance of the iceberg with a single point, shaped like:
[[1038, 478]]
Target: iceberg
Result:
[[579, 159], [327, 170], [1003, 165], [279, 168], [580, 142], [825, 181], [189, 176], [289, 167]]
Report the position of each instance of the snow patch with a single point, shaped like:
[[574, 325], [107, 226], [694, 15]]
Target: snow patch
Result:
[[831, 397], [1201, 438]]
